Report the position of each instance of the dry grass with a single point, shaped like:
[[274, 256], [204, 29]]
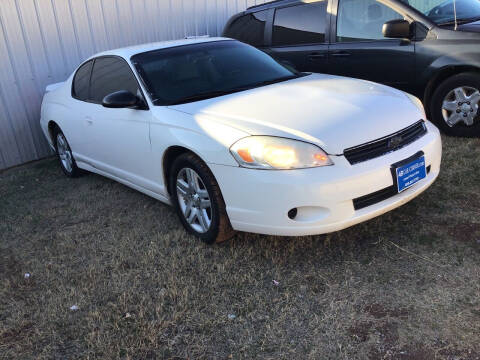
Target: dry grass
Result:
[[402, 286]]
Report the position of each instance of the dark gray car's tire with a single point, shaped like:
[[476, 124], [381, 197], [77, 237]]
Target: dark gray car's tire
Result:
[[447, 105], [64, 154], [198, 201]]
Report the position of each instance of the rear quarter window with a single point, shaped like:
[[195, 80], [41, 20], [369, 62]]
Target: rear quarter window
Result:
[[248, 28], [81, 81]]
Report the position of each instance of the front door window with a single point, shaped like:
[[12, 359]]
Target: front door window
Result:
[[362, 20]]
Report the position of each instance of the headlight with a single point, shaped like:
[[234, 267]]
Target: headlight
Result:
[[418, 103], [268, 152]]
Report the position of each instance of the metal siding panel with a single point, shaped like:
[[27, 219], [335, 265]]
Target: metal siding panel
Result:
[[95, 19], [18, 78], [189, 16], [152, 24], [34, 39], [126, 22], [8, 138], [53, 46], [67, 35], [81, 24], [112, 25], [162, 20], [211, 17]]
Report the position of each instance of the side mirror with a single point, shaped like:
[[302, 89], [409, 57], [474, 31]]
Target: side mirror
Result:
[[120, 99], [397, 29]]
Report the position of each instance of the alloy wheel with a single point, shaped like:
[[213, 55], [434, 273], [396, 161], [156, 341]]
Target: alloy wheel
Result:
[[461, 106], [194, 200], [64, 153]]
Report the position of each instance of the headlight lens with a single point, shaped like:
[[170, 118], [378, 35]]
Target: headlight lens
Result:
[[268, 152], [418, 103]]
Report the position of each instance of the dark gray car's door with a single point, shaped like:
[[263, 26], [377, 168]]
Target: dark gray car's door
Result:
[[358, 48]]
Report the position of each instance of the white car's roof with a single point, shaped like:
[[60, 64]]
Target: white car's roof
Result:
[[129, 51]]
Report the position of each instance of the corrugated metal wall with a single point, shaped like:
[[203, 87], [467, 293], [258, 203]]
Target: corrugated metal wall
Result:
[[42, 41]]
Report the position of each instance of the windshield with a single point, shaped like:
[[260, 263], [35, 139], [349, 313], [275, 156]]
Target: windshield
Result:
[[195, 72], [442, 11]]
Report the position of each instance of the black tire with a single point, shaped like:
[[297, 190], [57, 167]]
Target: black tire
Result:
[[470, 80], [72, 171], [220, 228]]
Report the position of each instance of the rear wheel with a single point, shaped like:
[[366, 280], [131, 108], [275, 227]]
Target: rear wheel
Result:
[[455, 105], [64, 153], [198, 200]]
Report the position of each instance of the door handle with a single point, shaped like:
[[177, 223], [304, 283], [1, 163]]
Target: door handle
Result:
[[341, 54], [89, 120], [315, 56]]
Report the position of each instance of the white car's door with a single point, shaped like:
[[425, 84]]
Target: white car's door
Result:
[[73, 125], [118, 140]]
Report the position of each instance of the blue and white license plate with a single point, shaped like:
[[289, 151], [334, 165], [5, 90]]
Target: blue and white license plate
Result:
[[411, 173]]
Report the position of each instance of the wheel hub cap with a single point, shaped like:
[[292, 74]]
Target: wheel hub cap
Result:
[[461, 106], [194, 200]]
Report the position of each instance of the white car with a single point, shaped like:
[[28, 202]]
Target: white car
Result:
[[236, 141]]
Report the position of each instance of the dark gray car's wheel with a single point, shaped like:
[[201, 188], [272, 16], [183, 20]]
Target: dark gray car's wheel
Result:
[[455, 105], [198, 200], [64, 154]]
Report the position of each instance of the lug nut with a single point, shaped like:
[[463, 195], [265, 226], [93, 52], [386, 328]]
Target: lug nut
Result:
[[459, 111], [468, 102]]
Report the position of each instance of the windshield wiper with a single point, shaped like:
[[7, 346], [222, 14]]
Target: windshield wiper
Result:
[[460, 21], [212, 94]]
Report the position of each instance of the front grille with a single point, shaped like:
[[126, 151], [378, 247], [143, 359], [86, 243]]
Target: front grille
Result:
[[377, 196], [385, 145]]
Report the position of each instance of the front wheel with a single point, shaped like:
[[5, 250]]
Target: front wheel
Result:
[[198, 201], [455, 105]]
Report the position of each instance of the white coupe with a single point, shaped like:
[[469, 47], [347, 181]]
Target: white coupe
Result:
[[236, 141]]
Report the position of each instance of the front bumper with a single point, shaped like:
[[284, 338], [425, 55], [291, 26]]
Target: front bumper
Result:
[[258, 201]]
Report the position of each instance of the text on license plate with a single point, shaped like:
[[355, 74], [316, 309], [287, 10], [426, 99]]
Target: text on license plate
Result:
[[411, 173]]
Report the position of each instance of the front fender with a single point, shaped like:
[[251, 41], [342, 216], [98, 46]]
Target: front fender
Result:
[[446, 62], [201, 134]]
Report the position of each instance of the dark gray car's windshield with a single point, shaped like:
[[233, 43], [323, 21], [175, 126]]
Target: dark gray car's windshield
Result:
[[443, 11], [200, 71]]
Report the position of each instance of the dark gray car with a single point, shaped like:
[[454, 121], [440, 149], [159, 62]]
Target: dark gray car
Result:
[[430, 48]]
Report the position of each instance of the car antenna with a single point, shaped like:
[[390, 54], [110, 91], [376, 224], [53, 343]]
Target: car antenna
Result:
[[455, 13]]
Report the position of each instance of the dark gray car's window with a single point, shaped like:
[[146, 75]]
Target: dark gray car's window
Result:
[[300, 24], [360, 20], [200, 71], [81, 82], [111, 74], [249, 28]]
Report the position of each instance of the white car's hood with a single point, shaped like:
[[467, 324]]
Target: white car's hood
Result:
[[333, 112]]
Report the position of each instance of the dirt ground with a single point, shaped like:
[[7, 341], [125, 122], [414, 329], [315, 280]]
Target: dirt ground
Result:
[[405, 285]]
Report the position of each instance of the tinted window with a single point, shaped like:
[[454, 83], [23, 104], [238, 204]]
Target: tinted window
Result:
[[196, 72], [359, 20], [109, 75], [249, 28], [81, 82], [301, 24]]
